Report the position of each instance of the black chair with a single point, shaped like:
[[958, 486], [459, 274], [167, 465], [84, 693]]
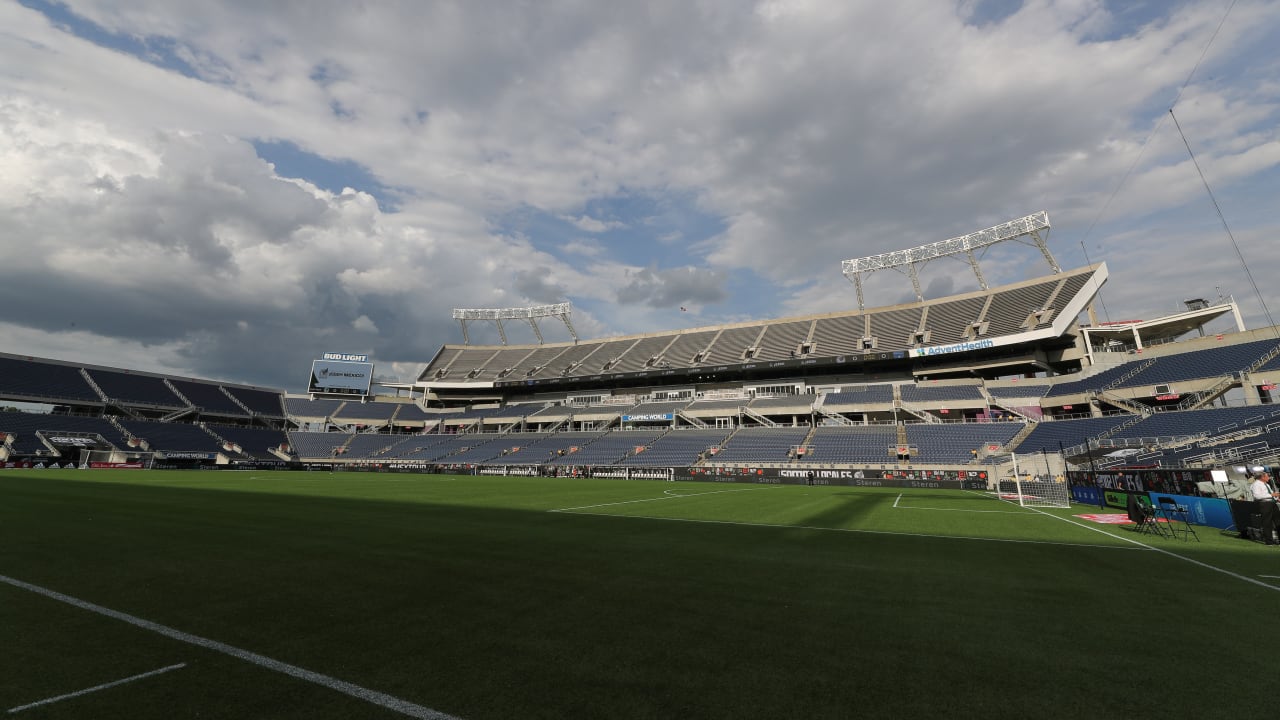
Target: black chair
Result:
[[1142, 513], [1177, 514]]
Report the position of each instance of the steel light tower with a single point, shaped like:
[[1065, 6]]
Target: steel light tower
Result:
[[1035, 227]]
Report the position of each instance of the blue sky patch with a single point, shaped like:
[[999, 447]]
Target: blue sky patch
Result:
[[158, 51], [333, 175]]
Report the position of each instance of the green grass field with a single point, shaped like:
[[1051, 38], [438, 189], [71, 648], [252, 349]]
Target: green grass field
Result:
[[487, 597]]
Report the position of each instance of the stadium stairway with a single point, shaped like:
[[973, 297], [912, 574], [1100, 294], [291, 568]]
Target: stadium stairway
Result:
[[247, 410], [696, 422], [1121, 402], [190, 406], [808, 438], [129, 437], [993, 402], [96, 388], [654, 439], [1016, 440], [227, 447], [910, 410], [764, 421], [704, 458], [342, 449]]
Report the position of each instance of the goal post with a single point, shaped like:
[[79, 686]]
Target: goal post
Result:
[[1029, 485], [124, 459]]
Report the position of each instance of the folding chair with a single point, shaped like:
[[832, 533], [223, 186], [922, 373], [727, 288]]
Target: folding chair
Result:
[[1176, 513], [1143, 514]]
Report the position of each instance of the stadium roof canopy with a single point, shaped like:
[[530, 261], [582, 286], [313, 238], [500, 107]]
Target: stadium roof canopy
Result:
[[1137, 334]]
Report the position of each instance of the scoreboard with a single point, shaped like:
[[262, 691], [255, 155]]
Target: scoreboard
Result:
[[341, 373]]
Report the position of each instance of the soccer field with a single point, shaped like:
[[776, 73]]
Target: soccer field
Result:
[[318, 595]]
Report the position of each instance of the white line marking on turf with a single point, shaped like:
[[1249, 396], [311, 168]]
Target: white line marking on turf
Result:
[[895, 502], [1276, 577], [664, 497], [853, 530], [1162, 551], [370, 696], [95, 688], [999, 512]]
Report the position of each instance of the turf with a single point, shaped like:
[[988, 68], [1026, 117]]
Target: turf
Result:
[[635, 599]]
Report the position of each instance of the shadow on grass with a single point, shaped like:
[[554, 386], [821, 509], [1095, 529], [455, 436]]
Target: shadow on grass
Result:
[[848, 510]]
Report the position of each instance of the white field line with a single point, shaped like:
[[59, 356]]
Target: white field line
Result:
[[966, 510], [95, 688], [374, 697], [850, 530], [1184, 558], [897, 500], [664, 497], [1277, 577]]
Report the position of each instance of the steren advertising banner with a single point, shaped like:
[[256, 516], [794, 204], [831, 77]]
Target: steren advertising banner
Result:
[[332, 375]]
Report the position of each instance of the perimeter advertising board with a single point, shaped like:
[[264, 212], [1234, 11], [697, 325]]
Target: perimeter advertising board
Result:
[[937, 479]]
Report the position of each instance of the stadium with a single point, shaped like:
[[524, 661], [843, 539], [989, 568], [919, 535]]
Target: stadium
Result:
[[850, 499], [940, 389]]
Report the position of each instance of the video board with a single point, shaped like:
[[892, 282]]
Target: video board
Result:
[[340, 376]]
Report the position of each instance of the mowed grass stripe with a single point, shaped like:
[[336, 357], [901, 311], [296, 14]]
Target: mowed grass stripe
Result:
[[467, 595]]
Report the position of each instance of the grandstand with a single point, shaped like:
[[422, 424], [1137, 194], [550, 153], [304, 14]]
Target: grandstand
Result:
[[921, 330], [125, 388], [171, 437], [856, 445], [252, 442], [767, 444], [675, 448], [37, 434], [937, 384], [208, 398]]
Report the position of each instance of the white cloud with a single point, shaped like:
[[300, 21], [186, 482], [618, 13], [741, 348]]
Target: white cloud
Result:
[[586, 247]]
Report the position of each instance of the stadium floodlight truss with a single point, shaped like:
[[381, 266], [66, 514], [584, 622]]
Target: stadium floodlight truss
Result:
[[1035, 226], [529, 314]]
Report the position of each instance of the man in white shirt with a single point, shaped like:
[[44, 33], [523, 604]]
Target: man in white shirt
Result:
[[1260, 488]]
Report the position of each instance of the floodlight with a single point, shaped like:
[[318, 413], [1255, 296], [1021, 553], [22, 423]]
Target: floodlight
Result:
[[528, 314], [1034, 226]]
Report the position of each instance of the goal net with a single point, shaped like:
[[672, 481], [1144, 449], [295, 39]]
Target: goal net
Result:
[[1029, 481], [127, 459]]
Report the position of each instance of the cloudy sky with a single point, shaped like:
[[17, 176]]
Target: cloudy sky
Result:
[[228, 189]]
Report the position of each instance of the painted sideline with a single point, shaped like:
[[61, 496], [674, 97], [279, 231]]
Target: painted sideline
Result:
[[664, 497], [95, 688], [1162, 551], [374, 697]]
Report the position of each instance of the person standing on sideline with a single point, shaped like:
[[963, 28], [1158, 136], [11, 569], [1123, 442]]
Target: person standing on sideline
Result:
[[1262, 493]]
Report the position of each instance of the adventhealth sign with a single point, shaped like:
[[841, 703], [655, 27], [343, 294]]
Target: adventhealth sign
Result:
[[345, 357], [961, 347]]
